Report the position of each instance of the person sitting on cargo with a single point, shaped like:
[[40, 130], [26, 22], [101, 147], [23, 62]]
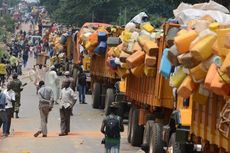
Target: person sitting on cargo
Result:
[[111, 127]]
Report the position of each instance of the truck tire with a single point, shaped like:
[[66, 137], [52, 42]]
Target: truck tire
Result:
[[147, 133], [103, 94], [96, 95], [136, 130], [156, 143], [176, 147], [129, 124], [109, 98]]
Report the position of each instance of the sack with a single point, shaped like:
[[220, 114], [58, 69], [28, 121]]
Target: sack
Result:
[[113, 41], [184, 40], [112, 127], [165, 66], [136, 59]]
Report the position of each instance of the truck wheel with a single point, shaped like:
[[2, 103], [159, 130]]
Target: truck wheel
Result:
[[147, 133], [136, 130], [96, 95], [176, 147], [103, 94], [109, 98], [156, 143], [130, 124]]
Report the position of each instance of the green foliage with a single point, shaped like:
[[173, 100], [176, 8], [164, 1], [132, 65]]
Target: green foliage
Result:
[[7, 25], [77, 12]]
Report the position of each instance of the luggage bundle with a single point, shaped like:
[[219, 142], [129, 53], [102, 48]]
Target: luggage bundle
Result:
[[198, 62], [95, 39], [138, 51]]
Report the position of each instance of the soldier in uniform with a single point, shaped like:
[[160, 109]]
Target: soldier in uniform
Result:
[[17, 88]]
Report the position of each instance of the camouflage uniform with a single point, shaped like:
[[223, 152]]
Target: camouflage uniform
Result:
[[17, 88]]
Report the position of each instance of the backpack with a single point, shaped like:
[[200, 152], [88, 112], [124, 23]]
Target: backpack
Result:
[[112, 127], [82, 79]]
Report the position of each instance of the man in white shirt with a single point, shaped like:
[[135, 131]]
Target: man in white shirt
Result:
[[67, 100], [10, 99]]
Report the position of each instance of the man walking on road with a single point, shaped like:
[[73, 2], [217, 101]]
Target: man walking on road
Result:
[[67, 101], [3, 114], [111, 127], [46, 100], [10, 100]]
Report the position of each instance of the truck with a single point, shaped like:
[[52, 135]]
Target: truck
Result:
[[162, 121], [101, 79]]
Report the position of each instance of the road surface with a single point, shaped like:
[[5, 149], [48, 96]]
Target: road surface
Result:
[[85, 136]]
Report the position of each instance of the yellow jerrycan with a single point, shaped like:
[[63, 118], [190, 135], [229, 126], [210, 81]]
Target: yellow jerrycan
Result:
[[150, 71], [198, 73], [202, 50], [219, 87], [177, 78], [222, 50], [201, 95], [210, 76]]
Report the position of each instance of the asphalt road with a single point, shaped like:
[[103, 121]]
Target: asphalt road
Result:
[[85, 136]]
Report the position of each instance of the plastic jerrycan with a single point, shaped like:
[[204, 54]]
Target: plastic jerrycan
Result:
[[165, 66], [221, 33], [177, 78], [202, 50], [210, 76], [198, 73], [219, 87], [136, 59], [225, 68], [184, 40], [151, 48], [186, 88]]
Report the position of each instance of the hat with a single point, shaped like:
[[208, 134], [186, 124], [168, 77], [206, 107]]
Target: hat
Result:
[[67, 73]]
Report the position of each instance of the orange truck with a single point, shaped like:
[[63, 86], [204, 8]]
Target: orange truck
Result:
[[102, 79], [161, 122]]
